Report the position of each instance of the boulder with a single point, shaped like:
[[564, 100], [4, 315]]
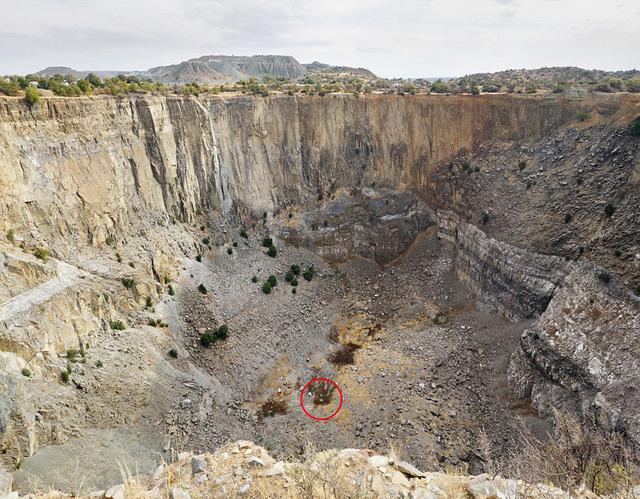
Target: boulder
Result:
[[378, 461], [481, 487], [399, 480], [198, 465], [115, 492], [410, 470], [6, 483], [423, 494], [176, 493]]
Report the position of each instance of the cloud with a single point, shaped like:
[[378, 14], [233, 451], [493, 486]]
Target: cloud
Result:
[[400, 38]]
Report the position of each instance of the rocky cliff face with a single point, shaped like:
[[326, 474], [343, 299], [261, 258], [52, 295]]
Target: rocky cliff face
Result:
[[581, 355], [92, 178], [87, 168]]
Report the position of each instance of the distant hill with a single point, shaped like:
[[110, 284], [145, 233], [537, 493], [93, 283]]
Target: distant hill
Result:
[[217, 69], [564, 74], [64, 71], [320, 68], [220, 68]]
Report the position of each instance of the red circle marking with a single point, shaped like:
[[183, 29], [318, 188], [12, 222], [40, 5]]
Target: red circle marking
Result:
[[305, 389]]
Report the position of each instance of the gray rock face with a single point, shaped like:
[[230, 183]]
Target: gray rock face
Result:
[[581, 356], [516, 283]]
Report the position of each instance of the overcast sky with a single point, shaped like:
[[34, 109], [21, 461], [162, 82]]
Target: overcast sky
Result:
[[405, 38]]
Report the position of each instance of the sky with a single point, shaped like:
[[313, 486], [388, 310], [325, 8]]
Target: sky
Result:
[[392, 38]]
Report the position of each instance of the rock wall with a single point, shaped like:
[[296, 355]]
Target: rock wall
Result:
[[89, 167], [504, 279], [582, 355]]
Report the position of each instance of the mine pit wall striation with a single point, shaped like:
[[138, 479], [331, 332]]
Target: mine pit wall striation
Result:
[[76, 171], [85, 168]]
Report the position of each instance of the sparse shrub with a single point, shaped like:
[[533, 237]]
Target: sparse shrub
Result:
[[235, 244], [267, 242], [477, 169], [634, 130], [638, 289], [206, 240], [153, 323], [466, 165], [167, 279], [222, 333], [475, 90], [309, 273], [272, 251], [618, 253], [344, 355], [71, 354], [266, 288], [579, 454], [128, 283], [528, 184], [26, 372], [10, 236], [485, 218], [132, 265], [579, 181], [604, 277], [119, 257], [109, 240], [230, 251], [254, 279], [522, 164], [322, 392], [294, 282], [272, 407], [289, 276], [609, 210], [173, 353], [171, 290], [65, 376], [99, 364], [294, 291], [295, 268], [117, 325], [273, 280], [203, 289], [207, 339], [148, 302], [198, 258], [42, 254], [202, 228], [243, 233], [582, 115], [567, 218]]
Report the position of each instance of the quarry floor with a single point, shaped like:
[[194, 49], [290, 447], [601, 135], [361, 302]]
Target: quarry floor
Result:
[[428, 377]]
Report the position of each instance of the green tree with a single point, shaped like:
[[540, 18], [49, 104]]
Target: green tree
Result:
[[633, 85], [31, 94], [440, 87], [85, 86]]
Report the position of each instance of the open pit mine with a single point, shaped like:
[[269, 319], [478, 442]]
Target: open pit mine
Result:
[[174, 271]]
